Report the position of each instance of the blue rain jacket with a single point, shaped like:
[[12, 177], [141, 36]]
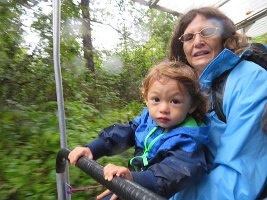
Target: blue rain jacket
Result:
[[238, 149], [175, 160]]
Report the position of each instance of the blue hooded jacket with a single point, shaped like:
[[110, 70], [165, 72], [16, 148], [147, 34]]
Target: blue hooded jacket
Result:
[[187, 137], [238, 149], [174, 161]]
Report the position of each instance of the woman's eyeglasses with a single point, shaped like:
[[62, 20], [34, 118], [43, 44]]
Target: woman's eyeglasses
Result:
[[205, 32]]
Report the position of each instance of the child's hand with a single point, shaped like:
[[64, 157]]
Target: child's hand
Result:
[[78, 152], [111, 170], [106, 193]]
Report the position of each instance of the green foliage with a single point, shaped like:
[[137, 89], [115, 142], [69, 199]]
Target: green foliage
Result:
[[260, 39], [30, 141]]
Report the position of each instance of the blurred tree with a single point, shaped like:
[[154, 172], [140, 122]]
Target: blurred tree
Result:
[[86, 35], [11, 55]]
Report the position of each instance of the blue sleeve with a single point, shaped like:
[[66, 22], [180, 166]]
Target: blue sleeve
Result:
[[113, 140], [240, 146], [174, 173]]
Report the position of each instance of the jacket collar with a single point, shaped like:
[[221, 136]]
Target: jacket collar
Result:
[[224, 61]]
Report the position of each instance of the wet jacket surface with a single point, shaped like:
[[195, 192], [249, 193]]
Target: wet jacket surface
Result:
[[238, 149], [175, 160]]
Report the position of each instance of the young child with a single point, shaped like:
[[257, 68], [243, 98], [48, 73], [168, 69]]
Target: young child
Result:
[[167, 137]]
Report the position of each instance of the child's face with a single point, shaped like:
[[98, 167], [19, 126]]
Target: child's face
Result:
[[167, 103]]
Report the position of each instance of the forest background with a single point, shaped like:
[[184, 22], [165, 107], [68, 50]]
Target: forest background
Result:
[[101, 85]]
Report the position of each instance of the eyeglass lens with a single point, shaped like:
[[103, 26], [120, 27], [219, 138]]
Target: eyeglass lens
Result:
[[206, 32]]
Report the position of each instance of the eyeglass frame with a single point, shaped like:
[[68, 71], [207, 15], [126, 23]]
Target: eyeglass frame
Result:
[[194, 34]]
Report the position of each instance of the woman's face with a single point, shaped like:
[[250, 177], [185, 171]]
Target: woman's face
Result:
[[200, 51]]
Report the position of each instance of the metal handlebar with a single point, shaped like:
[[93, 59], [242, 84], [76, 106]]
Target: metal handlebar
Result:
[[123, 188]]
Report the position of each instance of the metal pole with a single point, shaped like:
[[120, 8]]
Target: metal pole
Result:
[[62, 179]]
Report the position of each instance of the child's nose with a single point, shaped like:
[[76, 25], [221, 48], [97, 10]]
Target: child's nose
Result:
[[164, 107]]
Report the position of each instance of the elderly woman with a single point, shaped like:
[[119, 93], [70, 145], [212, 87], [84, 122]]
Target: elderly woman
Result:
[[206, 39]]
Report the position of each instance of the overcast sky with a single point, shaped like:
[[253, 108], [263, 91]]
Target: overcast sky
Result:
[[104, 36]]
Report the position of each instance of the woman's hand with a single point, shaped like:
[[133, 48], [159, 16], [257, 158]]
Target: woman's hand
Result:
[[78, 152]]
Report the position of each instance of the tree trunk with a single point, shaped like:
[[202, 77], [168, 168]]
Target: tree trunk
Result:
[[86, 36]]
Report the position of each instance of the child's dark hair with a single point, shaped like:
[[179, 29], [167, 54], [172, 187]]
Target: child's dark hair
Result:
[[185, 76]]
